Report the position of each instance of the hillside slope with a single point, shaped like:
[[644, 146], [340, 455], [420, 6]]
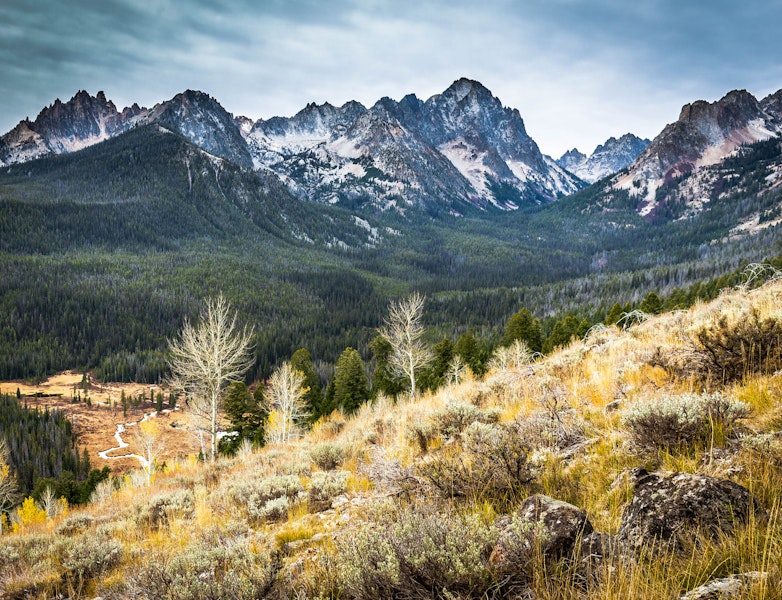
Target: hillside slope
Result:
[[402, 499]]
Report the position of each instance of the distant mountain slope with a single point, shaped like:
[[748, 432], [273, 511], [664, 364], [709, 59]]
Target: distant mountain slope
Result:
[[675, 166], [152, 188], [85, 120], [461, 147], [607, 159]]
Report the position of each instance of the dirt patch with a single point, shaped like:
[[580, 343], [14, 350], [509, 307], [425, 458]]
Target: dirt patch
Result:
[[96, 423]]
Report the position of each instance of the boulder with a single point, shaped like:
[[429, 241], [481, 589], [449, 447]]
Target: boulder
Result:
[[540, 525], [667, 508], [727, 587]]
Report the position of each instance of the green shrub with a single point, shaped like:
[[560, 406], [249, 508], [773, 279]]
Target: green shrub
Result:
[[73, 524], [326, 486], [86, 556], [159, 509], [679, 422], [260, 493], [491, 463], [242, 569], [417, 552], [275, 509], [456, 416], [327, 456]]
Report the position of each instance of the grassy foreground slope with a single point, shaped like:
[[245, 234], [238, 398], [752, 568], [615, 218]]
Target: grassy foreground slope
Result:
[[407, 500]]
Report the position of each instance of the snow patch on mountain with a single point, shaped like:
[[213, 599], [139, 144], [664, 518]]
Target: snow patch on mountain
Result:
[[468, 160], [607, 159]]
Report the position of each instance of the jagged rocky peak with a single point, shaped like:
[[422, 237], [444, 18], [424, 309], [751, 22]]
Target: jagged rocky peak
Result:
[[704, 135], [245, 124], [608, 158], [316, 120], [61, 127], [772, 104], [571, 159], [202, 120], [735, 110], [458, 147]]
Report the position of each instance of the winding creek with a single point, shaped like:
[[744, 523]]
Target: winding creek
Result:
[[121, 444]]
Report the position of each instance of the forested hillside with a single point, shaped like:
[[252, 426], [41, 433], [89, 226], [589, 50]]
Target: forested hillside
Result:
[[107, 250], [43, 452]]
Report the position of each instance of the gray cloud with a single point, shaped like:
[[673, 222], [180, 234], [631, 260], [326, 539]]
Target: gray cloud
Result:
[[578, 70]]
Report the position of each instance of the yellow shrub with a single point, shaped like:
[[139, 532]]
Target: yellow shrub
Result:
[[29, 514]]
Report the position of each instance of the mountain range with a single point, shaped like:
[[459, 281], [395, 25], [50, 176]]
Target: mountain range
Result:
[[457, 149]]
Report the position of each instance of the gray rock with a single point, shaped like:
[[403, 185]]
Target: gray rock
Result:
[[667, 508], [541, 524], [727, 587]]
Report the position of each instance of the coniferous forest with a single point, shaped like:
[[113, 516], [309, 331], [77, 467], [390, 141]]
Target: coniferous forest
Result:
[[99, 277]]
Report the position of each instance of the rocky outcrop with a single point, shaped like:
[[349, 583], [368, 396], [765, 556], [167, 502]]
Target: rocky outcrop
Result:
[[704, 135], [201, 120], [669, 508], [541, 524]]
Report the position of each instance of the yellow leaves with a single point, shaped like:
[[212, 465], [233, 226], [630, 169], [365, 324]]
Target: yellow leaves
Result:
[[29, 514]]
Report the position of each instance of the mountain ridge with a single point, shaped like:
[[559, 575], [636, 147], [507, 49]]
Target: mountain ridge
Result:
[[457, 149], [607, 158], [704, 135]]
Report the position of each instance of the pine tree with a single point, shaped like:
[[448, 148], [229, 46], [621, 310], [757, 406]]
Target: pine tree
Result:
[[351, 387], [247, 414], [467, 347], [384, 379], [651, 305], [302, 362], [523, 326]]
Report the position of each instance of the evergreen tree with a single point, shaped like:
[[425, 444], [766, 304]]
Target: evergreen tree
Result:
[[523, 326], [247, 414], [351, 387], [302, 362], [435, 376], [652, 304], [384, 378], [614, 314], [564, 330], [468, 348]]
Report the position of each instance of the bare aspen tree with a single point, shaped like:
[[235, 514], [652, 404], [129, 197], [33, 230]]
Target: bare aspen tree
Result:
[[206, 358], [51, 504], [404, 331], [286, 394], [150, 444], [9, 491]]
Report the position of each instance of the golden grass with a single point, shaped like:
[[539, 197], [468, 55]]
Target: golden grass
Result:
[[580, 379]]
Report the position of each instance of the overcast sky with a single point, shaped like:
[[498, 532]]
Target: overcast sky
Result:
[[579, 71]]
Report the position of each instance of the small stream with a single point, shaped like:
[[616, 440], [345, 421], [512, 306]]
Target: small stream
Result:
[[122, 428]]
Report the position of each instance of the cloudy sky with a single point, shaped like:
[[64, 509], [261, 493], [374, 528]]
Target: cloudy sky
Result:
[[579, 71]]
